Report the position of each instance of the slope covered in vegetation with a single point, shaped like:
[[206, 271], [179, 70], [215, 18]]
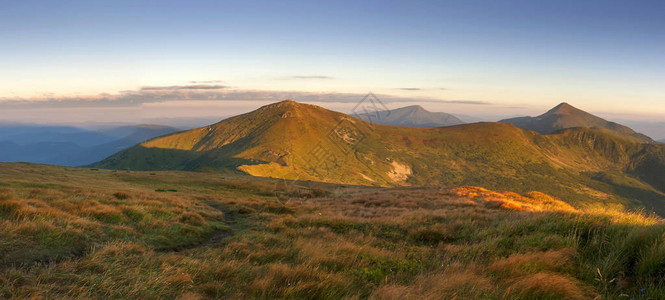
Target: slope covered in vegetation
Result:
[[297, 141], [79, 233]]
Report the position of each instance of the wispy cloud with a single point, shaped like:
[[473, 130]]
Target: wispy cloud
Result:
[[419, 89], [473, 102], [183, 87], [309, 77], [206, 81], [155, 94]]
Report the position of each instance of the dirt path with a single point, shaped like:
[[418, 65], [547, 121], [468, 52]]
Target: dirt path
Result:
[[230, 218]]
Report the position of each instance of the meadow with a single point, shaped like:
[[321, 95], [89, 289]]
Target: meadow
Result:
[[94, 233]]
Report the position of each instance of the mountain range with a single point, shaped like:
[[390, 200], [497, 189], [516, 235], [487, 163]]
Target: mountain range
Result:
[[289, 140], [565, 116], [411, 116], [70, 146]]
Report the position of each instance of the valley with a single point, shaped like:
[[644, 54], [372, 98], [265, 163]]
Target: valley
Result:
[[70, 146]]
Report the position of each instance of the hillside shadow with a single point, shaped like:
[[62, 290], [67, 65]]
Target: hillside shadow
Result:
[[653, 201], [141, 158]]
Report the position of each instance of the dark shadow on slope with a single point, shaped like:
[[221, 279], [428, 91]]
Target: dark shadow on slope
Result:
[[653, 200], [139, 158], [649, 166]]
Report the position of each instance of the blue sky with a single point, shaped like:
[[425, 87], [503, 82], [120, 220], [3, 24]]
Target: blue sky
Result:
[[519, 57]]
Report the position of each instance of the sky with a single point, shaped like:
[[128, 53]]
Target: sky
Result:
[[136, 61]]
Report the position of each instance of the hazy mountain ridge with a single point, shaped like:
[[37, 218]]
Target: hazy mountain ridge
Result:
[[652, 128], [297, 141], [411, 116], [71, 146], [565, 116], [31, 134]]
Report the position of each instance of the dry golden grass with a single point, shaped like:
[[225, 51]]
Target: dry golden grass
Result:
[[454, 282], [518, 265], [533, 201], [548, 286], [67, 234]]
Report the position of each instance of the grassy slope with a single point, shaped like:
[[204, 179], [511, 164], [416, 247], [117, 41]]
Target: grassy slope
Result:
[[297, 141], [103, 234]]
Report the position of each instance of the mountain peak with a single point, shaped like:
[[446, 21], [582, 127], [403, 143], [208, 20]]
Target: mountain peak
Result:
[[563, 108], [414, 116], [285, 105], [565, 116], [414, 108]]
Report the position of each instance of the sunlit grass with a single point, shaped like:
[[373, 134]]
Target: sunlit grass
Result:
[[103, 234]]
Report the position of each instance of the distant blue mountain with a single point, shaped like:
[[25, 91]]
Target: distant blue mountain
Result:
[[412, 116], [70, 146]]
